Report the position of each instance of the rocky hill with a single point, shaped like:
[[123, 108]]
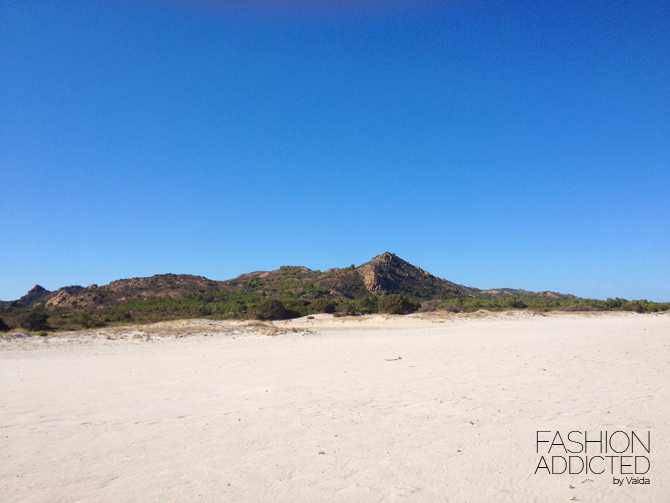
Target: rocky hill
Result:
[[384, 274], [389, 273], [301, 290]]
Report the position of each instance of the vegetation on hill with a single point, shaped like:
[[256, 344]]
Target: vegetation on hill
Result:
[[386, 284]]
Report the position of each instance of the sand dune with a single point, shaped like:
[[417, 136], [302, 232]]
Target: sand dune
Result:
[[422, 408]]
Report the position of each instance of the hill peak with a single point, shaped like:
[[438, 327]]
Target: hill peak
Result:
[[34, 294], [388, 273], [387, 257]]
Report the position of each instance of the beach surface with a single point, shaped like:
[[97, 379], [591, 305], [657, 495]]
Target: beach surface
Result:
[[423, 408]]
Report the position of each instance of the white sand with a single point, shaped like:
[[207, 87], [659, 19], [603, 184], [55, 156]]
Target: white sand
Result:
[[244, 416]]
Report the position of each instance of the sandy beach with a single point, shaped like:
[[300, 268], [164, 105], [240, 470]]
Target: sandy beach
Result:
[[421, 408]]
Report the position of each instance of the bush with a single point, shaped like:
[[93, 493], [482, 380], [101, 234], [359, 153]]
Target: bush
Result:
[[270, 309], [295, 308], [42, 333], [3, 326], [513, 302], [87, 320], [123, 316], [322, 306], [347, 308], [429, 306], [634, 306], [451, 308], [367, 305], [396, 304], [614, 303], [35, 320]]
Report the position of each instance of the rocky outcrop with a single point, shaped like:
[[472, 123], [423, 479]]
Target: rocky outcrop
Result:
[[35, 295], [556, 295], [75, 298], [160, 282], [388, 273]]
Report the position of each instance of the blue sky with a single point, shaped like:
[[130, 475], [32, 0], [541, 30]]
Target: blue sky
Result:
[[519, 144]]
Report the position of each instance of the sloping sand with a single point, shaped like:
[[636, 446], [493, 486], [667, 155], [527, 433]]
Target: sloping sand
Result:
[[419, 408]]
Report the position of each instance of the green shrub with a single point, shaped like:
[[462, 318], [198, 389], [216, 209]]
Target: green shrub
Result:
[[396, 304], [295, 308], [270, 309], [322, 306], [577, 307], [87, 320], [123, 316], [35, 320], [3, 326], [614, 303], [42, 333], [347, 308], [368, 305], [513, 302], [633, 305]]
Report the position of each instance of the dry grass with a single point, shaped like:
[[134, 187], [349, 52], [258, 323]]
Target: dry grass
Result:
[[177, 329], [259, 324], [285, 330]]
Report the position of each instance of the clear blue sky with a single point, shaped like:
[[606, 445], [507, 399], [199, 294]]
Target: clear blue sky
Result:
[[520, 144]]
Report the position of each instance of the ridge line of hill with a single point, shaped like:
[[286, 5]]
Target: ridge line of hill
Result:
[[349, 290], [384, 274]]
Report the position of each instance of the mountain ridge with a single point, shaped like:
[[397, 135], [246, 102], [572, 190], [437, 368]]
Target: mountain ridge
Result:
[[382, 275], [384, 284]]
